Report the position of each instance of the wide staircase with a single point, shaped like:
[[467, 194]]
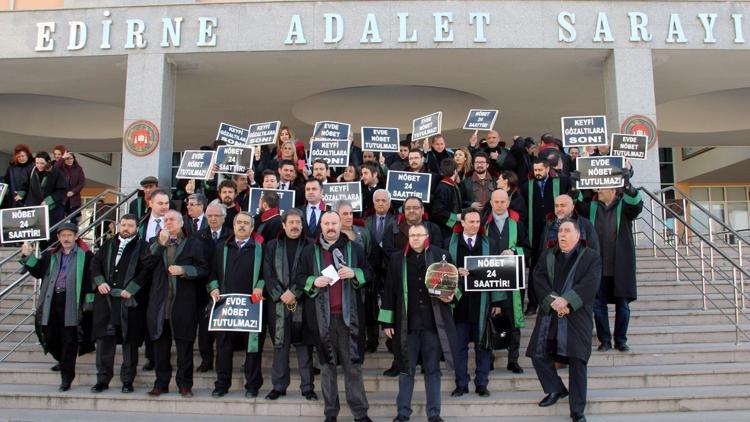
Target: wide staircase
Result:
[[689, 334]]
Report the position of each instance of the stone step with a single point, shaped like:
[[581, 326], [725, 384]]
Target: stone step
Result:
[[501, 381], [522, 403], [647, 354]]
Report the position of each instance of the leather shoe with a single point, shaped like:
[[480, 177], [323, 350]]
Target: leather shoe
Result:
[[99, 387], [392, 371], [400, 418], [156, 392], [604, 347], [365, 419], [251, 394], [204, 367], [65, 386], [55, 368], [218, 392], [482, 391], [552, 398], [316, 371], [434, 419], [515, 368], [623, 347], [310, 395], [330, 419], [530, 310], [186, 392], [127, 388], [578, 418], [460, 391], [149, 365], [275, 394]]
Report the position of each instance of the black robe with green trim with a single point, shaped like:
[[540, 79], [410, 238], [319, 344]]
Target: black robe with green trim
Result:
[[238, 276], [185, 310], [628, 209], [277, 274], [47, 268], [318, 312], [573, 330], [487, 300], [446, 206], [132, 311], [394, 308]]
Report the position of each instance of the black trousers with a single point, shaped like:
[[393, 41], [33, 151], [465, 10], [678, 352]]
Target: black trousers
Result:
[[552, 383], [226, 343], [62, 338], [105, 359], [163, 360], [205, 341], [515, 337]]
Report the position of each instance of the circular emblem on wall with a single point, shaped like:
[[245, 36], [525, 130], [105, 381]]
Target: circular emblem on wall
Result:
[[640, 125], [141, 138]]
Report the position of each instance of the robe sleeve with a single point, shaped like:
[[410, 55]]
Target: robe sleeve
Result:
[[37, 267], [199, 267], [97, 266], [442, 214], [273, 286], [632, 206], [364, 271], [543, 285], [584, 288], [304, 276], [389, 298]]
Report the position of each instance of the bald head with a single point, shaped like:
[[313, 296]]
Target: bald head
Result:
[[563, 206], [499, 201]]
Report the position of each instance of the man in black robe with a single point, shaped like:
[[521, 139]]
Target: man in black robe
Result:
[[336, 314], [139, 206], [119, 305], [564, 209], [285, 308], [268, 222], [613, 218], [420, 325], [236, 269], [446, 199], [567, 279], [174, 263], [66, 286]]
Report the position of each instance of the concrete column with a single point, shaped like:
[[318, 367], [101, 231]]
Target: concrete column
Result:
[[149, 95], [629, 90]]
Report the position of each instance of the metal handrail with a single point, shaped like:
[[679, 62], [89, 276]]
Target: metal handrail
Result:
[[95, 223], [738, 289], [685, 197]]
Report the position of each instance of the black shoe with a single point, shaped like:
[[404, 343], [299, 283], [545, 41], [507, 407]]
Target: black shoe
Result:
[[330, 419], [251, 394], [400, 418], [434, 419], [604, 347], [365, 419], [552, 398], [515, 368], [127, 388], [392, 371], [149, 365], [275, 394], [578, 418], [530, 310], [65, 386], [204, 367], [218, 392], [623, 347], [482, 391], [99, 387], [310, 395], [55, 368], [316, 371], [460, 391]]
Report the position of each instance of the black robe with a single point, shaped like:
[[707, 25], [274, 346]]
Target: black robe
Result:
[[588, 233], [540, 204], [628, 209], [48, 188], [277, 274], [46, 267], [268, 224], [132, 312], [574, 330], [446, 206], [393, 312], [396, 236], [318, 313], [185, 309]]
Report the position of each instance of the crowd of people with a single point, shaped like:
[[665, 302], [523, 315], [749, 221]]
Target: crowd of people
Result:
[[175, 253]]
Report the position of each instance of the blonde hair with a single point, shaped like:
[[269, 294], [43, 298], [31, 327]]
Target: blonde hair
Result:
[[466, 167]]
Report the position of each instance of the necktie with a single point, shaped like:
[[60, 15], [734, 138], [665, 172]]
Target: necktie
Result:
[[379, 229], [470, 242], [195, 223], [157, 229], [313, 219], [240, 244], [215, 235], [120, 250]]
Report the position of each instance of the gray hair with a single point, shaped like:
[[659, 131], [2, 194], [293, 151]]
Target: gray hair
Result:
[[218, 205], [340, 204], [247, 214], [199, 197]]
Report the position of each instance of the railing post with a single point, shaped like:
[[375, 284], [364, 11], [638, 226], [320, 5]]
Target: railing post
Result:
[[635, 232], [653, 226], [684, 214], [711, 252], [742, 275], [36, 281], [736, 308], [703, 279], [676, 262]]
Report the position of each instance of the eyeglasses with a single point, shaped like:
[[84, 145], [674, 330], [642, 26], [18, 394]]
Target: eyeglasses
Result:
[[417, 235], [412, 208]]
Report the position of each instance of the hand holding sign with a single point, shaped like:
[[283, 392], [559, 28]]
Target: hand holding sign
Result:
[[26, 249], [215, 295], [474, 139]]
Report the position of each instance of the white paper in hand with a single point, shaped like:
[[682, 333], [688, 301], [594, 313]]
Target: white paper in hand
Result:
[[331, 273]]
